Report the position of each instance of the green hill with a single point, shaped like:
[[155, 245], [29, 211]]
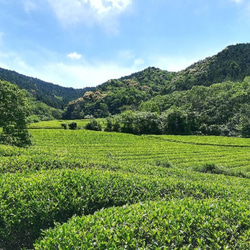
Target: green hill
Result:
[[53, 95], [115, 96], [47, 100], [209, 97], [153, 89], [128, 93], [232, 63]]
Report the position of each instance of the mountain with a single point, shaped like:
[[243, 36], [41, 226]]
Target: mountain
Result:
[[232, 63], [50, 94], [128, 93], [117, 95]]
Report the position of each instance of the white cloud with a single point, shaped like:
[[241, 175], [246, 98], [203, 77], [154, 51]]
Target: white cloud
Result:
[[12, 61], [89, 12], [30, 5], [74, 55], [237, 1], [84, 75], [72, 74], [129, 58], [138, 62], [125, 55], [172, 63], [102, 6]]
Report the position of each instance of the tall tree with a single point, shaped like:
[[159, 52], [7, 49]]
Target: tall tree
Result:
[[13, 112]]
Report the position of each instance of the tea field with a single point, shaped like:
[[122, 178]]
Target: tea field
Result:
[[79, 189]]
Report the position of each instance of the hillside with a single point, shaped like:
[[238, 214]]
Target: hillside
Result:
[[117, 95], [127, 93], [232, 63], [53, 95]]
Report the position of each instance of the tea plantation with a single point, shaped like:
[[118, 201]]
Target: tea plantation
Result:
[[79, 189]]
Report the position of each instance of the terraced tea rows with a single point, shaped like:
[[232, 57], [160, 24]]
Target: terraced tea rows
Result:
[[182, 152], [66, 173]]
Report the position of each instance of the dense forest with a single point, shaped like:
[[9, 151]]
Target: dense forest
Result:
[[220, 109], [53, 95], [118, 95], [47, 100]]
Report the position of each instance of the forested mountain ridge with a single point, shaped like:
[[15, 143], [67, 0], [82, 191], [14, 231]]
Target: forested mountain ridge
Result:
[[117, 95], [128, 93], [53, 95], [232, 63]]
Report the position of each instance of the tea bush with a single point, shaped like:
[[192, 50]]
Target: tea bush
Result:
[[66, 173], [175, 224]]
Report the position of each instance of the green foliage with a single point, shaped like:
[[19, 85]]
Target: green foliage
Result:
[[246, 131], [116, 96], [66, 173], [135, 92], [64, 125], [72, 125], [163, 163], [13, 113], [149, 106], [56, 124], [42, 112], [220, 109], [43, 92], [215, 169], [179, 224], [94, 125], [173, 122], [232, 63], [31, 202]]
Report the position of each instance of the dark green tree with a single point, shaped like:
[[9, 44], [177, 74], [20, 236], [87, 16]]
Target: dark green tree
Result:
[[13, 112], [149, 106], [73, 125], [177, 122], [94, 125], [245, 132], [234, 70]]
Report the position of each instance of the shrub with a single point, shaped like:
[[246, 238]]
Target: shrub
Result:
[[246, 131], [163, 163], [94, 125], [108, 125], [176, 224], [215, 169], [64, 125], [72, 125]]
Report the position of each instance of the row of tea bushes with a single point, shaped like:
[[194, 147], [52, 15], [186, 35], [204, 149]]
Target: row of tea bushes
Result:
[[181, 151], [31, 202], [175, 224]]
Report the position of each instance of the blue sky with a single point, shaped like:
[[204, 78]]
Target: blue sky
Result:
[[80, 43]]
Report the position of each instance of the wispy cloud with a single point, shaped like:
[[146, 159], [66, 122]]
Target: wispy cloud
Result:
[[77, 74], [86, 74], [74, 55], [30, 5], [237, 1], [90, 12]]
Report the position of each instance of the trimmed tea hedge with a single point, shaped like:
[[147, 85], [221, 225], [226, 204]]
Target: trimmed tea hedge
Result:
[[29, 203], [176, 224]]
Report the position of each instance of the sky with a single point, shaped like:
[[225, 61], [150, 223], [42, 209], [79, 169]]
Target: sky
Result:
[[83, 43]]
